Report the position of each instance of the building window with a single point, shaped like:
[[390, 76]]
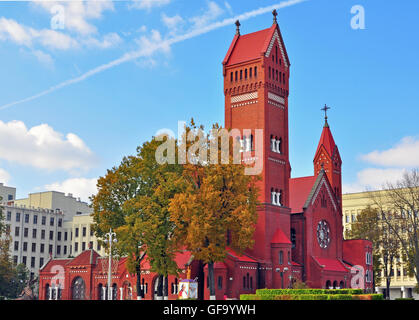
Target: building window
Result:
[[231, 76], [65, 236], [42, 249], [220, 283], [58, 250], [50, 248], [51, 235], [16, 245], [256, 72], [33, 233], [65, 250], [51, 221], [26, 218], [59, 236], [76, 247], [281, 257], [15, 260], [16, 231], [24, 260], [76, 232], [17, 217], [33, 247], [25, 232], [9, 216], [44, 220], [84, 231], [41, 262], [60, 222], [236, 75], [241, 74], [10, 197], [83, 246], [42, 234], [25, 246], [293, 238], [245, 74], [250, 72], [91, 232]]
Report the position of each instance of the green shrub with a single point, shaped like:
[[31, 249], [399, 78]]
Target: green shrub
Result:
[[249, 297], [340, 297]]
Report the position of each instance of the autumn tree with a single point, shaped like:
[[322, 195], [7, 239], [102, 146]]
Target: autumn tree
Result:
[[133, 200], [398, 205], [218, 207], [386, 247]]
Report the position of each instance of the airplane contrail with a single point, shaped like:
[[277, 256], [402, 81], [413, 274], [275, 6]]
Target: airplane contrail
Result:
[[144, 52]]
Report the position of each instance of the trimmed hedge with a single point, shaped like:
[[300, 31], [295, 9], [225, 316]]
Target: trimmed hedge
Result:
[[307, 291], [302, 296]]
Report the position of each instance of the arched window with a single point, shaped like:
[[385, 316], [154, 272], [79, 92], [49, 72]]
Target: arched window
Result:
[[78, 289], [269, 72], [47, 292], [281, 257], [114, 292], [220, 282], [251, 282], [328, 284], [231, 76], [341, 285], [245, 74], [100, 292], [247, 281], [241, 74], [250, 72], [244, 282], [256, 72], [293, 238], [335, 284], [236, 75]]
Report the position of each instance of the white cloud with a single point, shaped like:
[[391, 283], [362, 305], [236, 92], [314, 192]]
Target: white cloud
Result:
[[4, 176], [77, 13], [373, 179], [43, 58], [148, 4], [80, 187], [211, 13], [146, 52], [173, 23], [404, 154], [109, 40], [23, 35], [43, 147]]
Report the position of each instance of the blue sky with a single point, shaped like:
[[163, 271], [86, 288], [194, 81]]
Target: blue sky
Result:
[[120, 80]]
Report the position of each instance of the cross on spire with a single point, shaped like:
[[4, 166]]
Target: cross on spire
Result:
[[325, 108], [238, 27], [275, 13]]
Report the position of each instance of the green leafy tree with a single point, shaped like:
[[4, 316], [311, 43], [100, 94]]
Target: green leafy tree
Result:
[[386, 247], [218, 206], [133, 200]]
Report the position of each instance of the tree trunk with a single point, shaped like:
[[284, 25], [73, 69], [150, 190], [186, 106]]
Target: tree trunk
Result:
[[166, 288], [160, 287], [388, 279], [138, 285], [211, 280]]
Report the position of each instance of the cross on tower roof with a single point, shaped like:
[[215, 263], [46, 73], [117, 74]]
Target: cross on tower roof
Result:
[[325, 108], [238, 27], [274, 13]]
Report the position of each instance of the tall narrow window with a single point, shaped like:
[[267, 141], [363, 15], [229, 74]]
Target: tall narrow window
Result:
[[250, 72], [256, 72], [276, 54], [269, 72], [231, 76], [236, 75], [241, 74], [281, 257], [245, 74]]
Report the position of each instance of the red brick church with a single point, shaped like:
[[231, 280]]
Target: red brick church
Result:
[[299, 233]]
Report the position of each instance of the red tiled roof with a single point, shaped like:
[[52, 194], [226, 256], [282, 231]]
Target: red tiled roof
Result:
[[248, 47], [55, 262], [242, 258], [331, 264], [299, 191], [217, 265], [84, 258], [326, 139], [280, 237]]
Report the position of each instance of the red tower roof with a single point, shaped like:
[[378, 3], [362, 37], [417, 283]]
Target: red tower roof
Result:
[[280, 237], [326, 140], [252, 46]]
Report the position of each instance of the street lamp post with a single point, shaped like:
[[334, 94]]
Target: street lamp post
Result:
[[110, 237]]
